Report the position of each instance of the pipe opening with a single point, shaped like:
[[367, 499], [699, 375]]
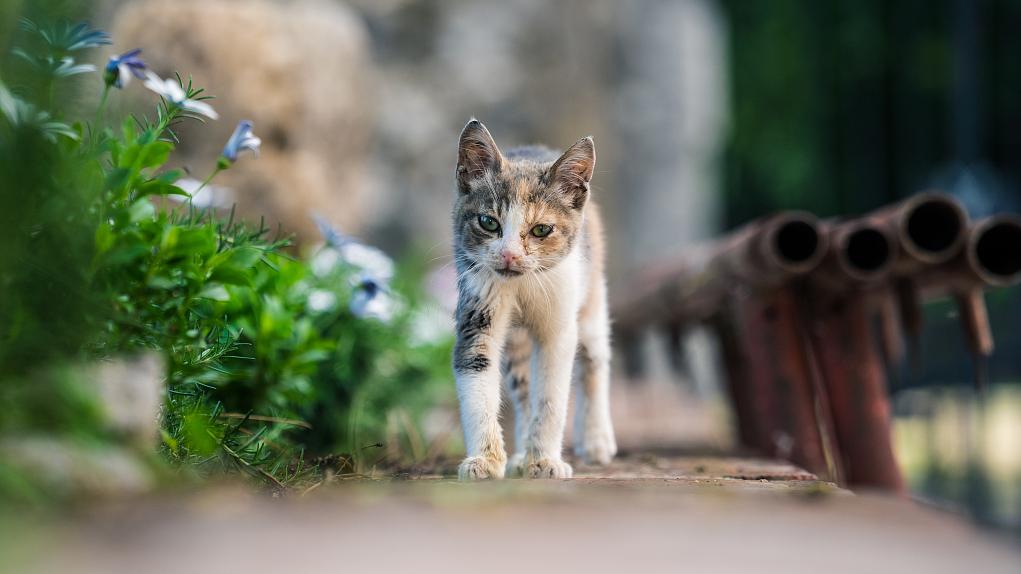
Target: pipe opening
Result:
[[934, 226], [797, 241], [867, 250], [998, 250]]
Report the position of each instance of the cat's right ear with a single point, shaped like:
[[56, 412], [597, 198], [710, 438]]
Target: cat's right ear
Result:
[[477, 154]]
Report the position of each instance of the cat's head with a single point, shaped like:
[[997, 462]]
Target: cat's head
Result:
[[521, 213]]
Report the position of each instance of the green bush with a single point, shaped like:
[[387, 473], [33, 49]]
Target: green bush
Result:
[[266, 354]]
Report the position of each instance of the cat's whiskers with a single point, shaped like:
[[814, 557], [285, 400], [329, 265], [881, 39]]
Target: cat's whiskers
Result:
[[544, 289]]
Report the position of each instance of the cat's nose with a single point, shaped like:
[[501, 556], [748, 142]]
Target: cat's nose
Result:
[[509, 257]]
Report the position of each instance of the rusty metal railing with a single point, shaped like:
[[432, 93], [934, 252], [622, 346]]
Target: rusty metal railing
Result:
[[793, 301]]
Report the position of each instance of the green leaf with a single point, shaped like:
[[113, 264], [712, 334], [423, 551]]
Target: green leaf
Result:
[[104, 238], [197, 430], [242, 257], [161, 282], [274, 317], [163, 184], [215, 292], [140, 210], [169, 440], [112, 145], [126, 252], [171, 175], [231, 276], [180, 241], [235, 266], [128, 131], [155, 154]]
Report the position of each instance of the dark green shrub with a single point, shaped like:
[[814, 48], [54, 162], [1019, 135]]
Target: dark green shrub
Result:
[[266, 354]]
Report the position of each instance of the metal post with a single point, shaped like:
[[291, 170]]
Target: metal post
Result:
[[853, 373], [779, 373]]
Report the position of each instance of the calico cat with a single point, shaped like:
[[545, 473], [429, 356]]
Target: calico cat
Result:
[[532, 306]]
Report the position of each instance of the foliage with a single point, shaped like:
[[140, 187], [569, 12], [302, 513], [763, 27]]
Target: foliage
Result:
[[266, 354], [840, 107]]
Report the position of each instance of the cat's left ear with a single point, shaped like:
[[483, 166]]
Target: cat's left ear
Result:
[[573, 171]]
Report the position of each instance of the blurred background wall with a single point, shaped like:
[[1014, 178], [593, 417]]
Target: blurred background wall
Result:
[[361, 104]]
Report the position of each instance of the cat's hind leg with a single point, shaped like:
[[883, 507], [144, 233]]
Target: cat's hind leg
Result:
[[594, 440], [517, 359], [556, 341]]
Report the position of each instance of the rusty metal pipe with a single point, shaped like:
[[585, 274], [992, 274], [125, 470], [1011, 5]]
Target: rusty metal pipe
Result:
[[776, 248], [866, 253], [991, 258], [794, 243], [931, 228], [861, 252], [762, 254], [994, 250], [856, 387], [779, 381]]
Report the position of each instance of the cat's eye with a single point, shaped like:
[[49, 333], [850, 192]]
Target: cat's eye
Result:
[[542, 230], [489, 223]]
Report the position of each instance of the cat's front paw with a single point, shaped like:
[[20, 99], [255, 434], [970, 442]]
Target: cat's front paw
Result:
[[548, 468], [479, 468], [597, 447]]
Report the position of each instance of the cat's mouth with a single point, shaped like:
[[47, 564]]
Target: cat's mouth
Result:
[[508, 272]]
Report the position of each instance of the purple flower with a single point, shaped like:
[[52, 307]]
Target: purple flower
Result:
[[241, 140], [119, 69]]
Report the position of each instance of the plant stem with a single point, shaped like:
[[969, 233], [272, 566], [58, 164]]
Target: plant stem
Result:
[[207, 180], [102, 106]]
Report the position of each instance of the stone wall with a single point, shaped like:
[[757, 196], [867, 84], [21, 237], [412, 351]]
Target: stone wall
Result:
[[360, 105], [299, 70]]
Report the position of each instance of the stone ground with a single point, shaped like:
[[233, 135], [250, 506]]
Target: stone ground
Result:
[[655, 510], [656, 513]]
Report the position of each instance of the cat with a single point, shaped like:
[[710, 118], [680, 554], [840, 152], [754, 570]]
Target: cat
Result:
[[532, 306]]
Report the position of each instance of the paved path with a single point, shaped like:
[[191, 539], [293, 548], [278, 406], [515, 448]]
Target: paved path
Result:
[[648, 513]]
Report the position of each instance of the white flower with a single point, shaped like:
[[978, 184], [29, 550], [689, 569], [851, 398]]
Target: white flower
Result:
[[205, 197], [321, 300], [373, 261], [372, 300], [172, 91], [325, 261]]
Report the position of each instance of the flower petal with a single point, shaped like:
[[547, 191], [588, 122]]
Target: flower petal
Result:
[[200, 108], [155, 84], [251, 144], [123, 75], [240, 140]]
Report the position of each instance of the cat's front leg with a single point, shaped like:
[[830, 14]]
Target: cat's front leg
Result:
[[481, 329], [551, 383]]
